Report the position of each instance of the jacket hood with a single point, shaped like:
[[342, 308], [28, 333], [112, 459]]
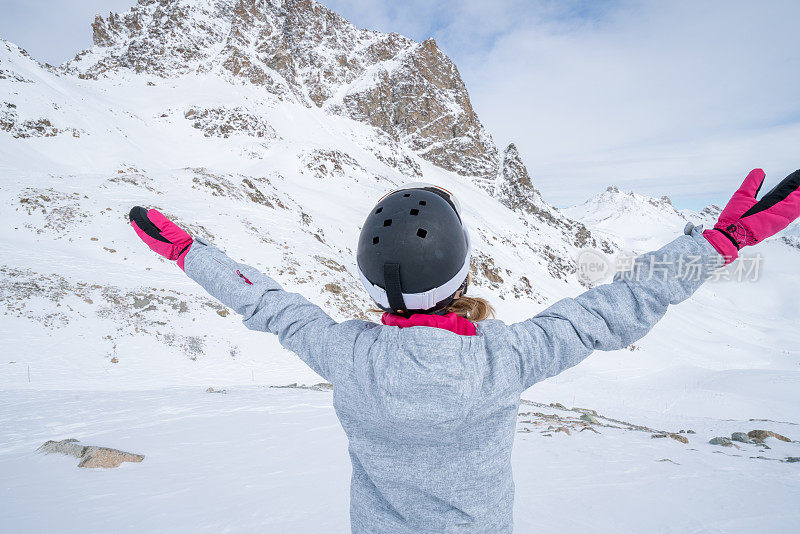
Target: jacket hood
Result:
[[427, 380]]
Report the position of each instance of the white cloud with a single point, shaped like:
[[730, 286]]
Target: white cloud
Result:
[[678, 97]]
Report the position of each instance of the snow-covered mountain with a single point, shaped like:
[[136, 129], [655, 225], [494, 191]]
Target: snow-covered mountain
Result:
[[301, 51], [622, 216], [271, 128], [280, 177], [639, 223]]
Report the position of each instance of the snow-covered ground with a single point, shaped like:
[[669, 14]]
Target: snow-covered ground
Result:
[[275, 460]]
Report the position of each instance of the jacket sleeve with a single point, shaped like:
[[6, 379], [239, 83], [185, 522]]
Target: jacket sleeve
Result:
[[301, 327], [614, 315]]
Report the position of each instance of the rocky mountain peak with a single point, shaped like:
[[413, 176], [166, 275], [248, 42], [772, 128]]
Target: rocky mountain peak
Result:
[[514, 187], [513, 169], [301, 50], [420, 99]]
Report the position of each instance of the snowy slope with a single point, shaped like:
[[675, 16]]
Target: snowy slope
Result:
[[105, 342], [277, 183]]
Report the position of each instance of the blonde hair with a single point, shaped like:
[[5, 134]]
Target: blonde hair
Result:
[[475, 309]]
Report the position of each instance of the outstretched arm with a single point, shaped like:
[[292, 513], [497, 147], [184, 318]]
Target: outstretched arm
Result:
[[611, 316], [615, 315], [301, 327]]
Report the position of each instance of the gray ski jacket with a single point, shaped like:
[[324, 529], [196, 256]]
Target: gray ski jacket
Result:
[[431, 415]]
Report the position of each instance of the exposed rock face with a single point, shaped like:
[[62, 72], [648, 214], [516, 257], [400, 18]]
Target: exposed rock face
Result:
[[90, 455], [302, 50], [514, 188], [414, 101], [22, 129], [712, 211], [224, 122]]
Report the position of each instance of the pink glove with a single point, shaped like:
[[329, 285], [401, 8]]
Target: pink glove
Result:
[[160, 234], [746, 221]]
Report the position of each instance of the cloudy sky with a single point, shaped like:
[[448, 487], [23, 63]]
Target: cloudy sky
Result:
[[662, 97]]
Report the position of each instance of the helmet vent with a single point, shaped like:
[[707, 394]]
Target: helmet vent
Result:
[[422, 203], [378, 210], [387, 222], [422, 233], [407, 195], [414, 212], [375, 240]]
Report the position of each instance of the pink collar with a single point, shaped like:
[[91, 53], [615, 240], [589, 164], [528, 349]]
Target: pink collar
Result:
[[452, 322]]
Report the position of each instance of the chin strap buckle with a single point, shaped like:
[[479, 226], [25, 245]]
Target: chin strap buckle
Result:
[[394, 293]]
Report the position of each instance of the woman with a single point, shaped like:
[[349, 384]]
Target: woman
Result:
[[429, 399]]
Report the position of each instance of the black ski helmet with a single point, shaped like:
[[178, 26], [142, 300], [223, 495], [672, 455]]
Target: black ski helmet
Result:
[[414, 250]]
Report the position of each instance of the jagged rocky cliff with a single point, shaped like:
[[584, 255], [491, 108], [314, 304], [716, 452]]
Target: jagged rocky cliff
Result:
[[301, 50]]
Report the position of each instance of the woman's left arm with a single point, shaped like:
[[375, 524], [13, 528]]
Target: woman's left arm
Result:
[[611, 316]]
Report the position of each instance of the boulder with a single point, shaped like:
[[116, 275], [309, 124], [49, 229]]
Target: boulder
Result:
[[741, 437], [90, 455], [720, 440]]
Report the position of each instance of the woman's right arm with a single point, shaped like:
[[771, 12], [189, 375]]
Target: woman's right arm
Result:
[[302, 327]]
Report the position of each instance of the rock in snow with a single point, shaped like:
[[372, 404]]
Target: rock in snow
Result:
[[590, 419], [721, 440], [678, 437], [762, 435], [90, 455]]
